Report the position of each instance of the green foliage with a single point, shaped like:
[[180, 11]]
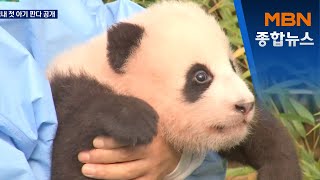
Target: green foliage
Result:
[[291, 105], [309, 165], [240, 171], [305, 129]]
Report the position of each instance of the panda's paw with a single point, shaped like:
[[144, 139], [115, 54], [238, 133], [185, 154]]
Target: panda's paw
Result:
[[133, 121]]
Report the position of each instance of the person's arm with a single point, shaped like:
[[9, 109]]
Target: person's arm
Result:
[[150, 162], [27, 117], [13, 163]]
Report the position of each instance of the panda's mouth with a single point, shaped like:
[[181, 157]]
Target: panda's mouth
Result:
[[222, 128], [219, 127]]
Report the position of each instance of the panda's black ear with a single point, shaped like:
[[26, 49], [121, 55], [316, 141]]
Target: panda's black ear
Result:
[[123, 39]]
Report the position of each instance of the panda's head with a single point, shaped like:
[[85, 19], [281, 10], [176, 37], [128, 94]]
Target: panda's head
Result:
[[175, 57]]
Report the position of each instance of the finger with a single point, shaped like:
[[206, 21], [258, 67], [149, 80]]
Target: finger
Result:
[[105, 156], [123, 171], [105, 142], [146, 177]]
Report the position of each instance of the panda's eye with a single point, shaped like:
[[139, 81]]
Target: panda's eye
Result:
[[202, 77]]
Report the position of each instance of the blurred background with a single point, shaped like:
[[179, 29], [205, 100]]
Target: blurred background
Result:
[[298, 110]]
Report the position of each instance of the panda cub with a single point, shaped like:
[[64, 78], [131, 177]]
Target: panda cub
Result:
[[167, 71]]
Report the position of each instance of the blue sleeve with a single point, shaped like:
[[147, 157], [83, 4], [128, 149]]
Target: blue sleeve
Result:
[[27, 115], [213, 168]]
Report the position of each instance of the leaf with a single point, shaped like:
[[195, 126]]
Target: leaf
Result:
[[238, 52], [317, 99], [302, 111], [290, 127], [299, 128], [295, 117], [286, 84], [317, 114], [314, 128], [245, 75], [276, 90], [312, 169], [240, 171], [318, 164], [287, 106], [305, 155]]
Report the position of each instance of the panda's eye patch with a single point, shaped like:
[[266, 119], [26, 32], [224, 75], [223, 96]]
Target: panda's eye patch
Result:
[[202, 77], [198, 80]]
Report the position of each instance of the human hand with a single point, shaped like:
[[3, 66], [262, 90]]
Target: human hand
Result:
[[111, 160]]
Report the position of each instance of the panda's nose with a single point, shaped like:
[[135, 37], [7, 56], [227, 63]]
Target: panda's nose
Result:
[[244, 108]]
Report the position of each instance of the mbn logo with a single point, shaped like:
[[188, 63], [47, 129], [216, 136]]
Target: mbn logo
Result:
[[287, 19]]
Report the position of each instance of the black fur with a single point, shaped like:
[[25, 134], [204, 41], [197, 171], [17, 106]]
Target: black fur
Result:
[[123, 38], [269, 149], [86, 109], [192, 91]]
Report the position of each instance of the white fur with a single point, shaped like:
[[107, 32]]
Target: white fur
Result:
[[177, 35]]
